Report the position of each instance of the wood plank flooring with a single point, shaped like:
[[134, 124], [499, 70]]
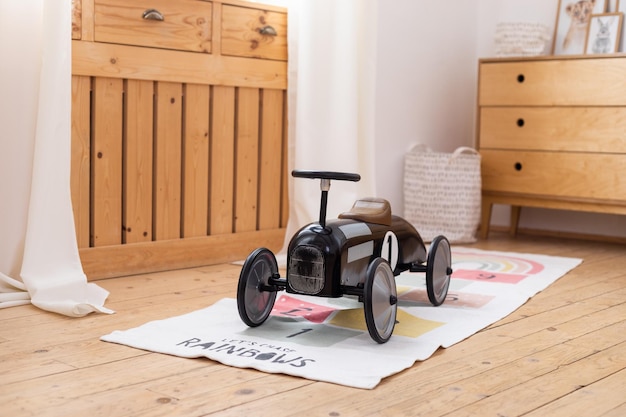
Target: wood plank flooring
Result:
[[561, 354]]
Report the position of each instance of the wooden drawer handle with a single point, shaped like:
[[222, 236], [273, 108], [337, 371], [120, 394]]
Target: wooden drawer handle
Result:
[[520, 122], [518, 166], [268, 30], [153, 14], [520, 78]]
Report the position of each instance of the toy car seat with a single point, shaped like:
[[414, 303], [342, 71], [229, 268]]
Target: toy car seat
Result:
[[370, 210]]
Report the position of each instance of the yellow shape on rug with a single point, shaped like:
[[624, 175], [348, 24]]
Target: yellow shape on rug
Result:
[[406, 324]]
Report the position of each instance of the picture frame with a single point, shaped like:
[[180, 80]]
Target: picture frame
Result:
[[570, 33], [621, 8], [604, 33], [612, 6]]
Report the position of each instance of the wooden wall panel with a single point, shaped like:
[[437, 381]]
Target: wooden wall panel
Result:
[[81, 163], [247, 160], [196, 160], [222, 160], [106, 157], [270, 173], [138, 151], [167, 161]]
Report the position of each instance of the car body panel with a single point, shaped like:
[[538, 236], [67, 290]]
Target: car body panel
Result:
[[329, 261]]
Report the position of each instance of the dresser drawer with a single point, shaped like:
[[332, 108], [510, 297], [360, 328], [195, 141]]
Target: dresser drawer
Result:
[[598, 81], [254, 33], [185, 24], [557, 175], [582, 129]]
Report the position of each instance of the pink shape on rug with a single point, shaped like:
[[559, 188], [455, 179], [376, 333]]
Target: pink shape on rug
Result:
[[291, 307], [490, 276]]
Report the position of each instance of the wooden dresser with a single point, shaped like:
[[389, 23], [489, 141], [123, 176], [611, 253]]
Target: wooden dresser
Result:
[[552, 134], [179, 132]]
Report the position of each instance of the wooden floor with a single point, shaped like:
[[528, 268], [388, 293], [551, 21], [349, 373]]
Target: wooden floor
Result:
[[561, 354]]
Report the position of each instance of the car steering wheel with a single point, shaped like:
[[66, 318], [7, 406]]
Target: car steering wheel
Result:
[[326, 175]]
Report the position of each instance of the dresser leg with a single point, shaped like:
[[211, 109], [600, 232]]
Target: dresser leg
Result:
[[515, 213], [485, 218]]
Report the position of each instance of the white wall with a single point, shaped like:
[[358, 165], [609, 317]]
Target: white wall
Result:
[[426, 83], [426, 91]]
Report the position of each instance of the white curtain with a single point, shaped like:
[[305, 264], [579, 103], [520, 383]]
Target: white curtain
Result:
[[332, 72], [39, 261]]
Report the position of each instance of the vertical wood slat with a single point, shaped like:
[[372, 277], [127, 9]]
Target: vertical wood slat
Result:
[[167, 161], [271, 159], [222, 160], [247, 159], [284, 215], [76, 19], [87, 23], [139, 103], [106, 156], [196, 160], [80, 157], [216, 30]]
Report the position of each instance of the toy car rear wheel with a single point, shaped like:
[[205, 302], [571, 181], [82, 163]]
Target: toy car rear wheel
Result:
[[438, 270], [380, 300], [254, 300]]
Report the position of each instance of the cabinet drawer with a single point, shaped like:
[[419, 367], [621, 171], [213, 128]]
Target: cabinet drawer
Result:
[[598, 81], [582, 129], [186, 24], [552, 174], [254, 33]]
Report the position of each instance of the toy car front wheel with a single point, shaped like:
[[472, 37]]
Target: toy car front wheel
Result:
[[438, 270], [380, 300], [254, 300]]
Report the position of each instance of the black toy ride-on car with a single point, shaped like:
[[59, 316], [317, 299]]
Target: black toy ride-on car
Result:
[[358, 254]]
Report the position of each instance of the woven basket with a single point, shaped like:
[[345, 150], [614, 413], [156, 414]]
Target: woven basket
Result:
[[442, 193], [521, 39]]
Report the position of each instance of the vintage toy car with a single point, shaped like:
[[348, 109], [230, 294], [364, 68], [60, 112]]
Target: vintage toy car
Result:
[[359, 254]]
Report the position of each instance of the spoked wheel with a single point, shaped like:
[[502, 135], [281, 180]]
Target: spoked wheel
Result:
[[253, 301], [380, 300], [438, 270]]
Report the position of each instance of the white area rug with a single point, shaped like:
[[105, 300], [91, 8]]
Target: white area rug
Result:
[[327, 340]]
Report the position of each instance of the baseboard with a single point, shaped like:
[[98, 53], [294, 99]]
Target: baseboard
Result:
[[561, 234]]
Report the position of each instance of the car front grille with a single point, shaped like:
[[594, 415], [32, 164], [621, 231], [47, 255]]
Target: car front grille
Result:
[[305, 273]]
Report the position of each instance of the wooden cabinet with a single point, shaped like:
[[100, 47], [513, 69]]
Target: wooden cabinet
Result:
[[552, 133], [179, 132]]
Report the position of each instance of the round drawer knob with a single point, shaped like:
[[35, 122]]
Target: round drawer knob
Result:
[[518, 166], [520, 78], [520, 122]]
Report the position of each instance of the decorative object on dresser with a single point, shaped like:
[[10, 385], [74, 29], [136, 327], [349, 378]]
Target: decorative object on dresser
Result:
[[621, 8], [521, 39], [552, 134], [572, 21], [604, 33], [179, 151]]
